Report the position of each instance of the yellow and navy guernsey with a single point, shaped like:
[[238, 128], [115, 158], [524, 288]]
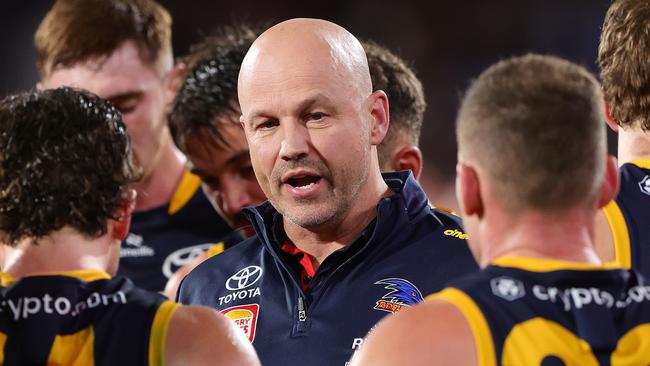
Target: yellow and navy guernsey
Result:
[[629, 217], [525, 311], [81, 318], [163, 239]]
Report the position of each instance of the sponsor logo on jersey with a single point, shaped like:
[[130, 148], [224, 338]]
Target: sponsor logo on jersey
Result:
[[181, 257], [644, 185], [244, 278], [245, 316], [400, 293], [134, 247], [455, 234], [507, 288]]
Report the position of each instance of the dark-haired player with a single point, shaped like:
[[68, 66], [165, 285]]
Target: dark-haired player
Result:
[[121, 51], [65, 205], [624, 225], [543, 297]]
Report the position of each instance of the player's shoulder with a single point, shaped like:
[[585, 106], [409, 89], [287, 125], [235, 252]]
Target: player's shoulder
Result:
[[190, 336], [430, 333]]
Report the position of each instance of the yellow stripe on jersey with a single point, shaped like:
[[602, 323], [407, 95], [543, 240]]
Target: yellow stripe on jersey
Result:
[[548, 265], [216, 249], [621, 236], [189, 184], [158, 335], [3, 340], [482, 336], [75, 349], [641, 163], [86, 275]]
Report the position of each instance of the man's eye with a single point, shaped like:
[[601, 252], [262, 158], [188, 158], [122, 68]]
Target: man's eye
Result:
[[315, 116], [267, 125], [126, 107]]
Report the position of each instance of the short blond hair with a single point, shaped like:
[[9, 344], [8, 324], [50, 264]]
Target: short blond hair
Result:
[[535, 124]]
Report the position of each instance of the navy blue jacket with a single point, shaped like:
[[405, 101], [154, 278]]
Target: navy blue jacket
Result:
[[408, 252]]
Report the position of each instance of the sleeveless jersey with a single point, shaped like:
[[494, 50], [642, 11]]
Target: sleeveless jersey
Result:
[[526, 311], [163, 239], [629, 217], [80, 318]]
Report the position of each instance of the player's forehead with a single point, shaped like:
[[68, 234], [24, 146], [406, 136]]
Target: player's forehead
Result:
[[120, 73]]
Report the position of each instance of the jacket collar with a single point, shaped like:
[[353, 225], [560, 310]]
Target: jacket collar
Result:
[[409, 201]]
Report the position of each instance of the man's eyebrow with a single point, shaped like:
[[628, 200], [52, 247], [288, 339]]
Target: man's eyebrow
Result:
[[317, 98]]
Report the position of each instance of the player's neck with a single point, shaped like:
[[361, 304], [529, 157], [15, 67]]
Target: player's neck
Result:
[[63, 251], [158, 187], [633, 144], [564, 236], [321, 241]]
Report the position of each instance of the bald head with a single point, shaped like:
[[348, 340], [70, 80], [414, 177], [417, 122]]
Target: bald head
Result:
[[307, 46]]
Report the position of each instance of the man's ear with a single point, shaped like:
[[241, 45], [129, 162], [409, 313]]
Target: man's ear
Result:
[[608, 118], [123, 214], [610, 186], [409, 157], [468, 190], [380, 113], [174, 81]]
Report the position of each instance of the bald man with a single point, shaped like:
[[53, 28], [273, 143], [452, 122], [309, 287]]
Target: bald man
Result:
[[338, 245]]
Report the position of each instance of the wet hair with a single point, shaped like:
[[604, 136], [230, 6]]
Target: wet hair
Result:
[[210, 86], [65, 160], [405, 96], [623, 57], [536, 126], [76, 30]]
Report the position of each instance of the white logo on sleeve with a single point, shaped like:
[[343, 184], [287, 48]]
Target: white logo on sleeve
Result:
[[507, 288], [644, 185], [244, 278]]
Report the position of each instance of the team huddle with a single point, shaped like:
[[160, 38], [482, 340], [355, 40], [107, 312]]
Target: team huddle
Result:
[[256, 201]]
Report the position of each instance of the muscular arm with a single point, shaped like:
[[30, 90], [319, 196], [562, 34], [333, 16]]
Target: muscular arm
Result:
[[433, 333], [200, 336]]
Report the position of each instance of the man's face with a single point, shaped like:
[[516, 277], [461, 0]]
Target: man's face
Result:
[[226, 171], [309, 139], [136, 89]]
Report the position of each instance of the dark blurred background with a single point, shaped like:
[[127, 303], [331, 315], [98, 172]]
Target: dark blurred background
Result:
[[447, 42]]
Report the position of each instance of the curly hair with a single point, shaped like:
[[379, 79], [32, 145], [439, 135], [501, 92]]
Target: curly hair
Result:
[[210, 86], [623, 59], [65, 160]]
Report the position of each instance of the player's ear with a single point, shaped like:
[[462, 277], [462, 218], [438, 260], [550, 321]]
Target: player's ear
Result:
[[123, 216], [174, 81], [409, 157], [610, 186], [378, 105], [468, 190], [608, 118]]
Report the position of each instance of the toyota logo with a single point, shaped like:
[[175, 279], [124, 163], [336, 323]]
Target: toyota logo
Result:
[[244, 278]]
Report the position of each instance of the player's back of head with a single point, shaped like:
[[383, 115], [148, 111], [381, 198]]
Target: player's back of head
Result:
[[535, 124], [65, 161], [77, 30]]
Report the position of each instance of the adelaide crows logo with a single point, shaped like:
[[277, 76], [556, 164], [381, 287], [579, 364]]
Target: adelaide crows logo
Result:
[[401, 293]]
